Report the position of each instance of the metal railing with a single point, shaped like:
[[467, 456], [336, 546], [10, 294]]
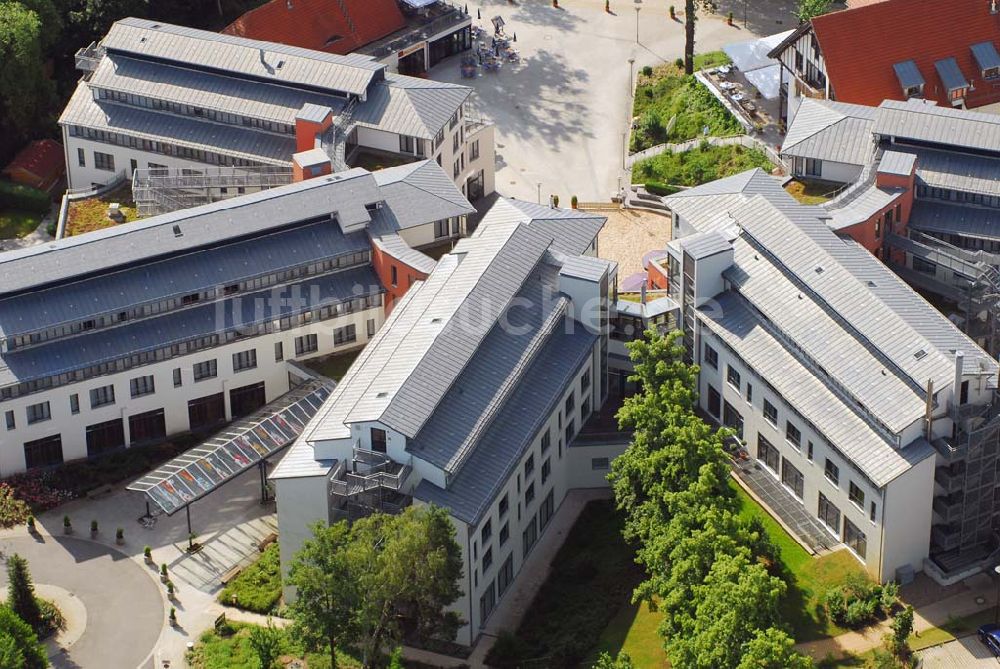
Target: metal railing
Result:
[[89, 57], [448, 15], [162, 190]]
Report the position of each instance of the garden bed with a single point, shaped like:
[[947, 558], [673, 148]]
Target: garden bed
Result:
[[258, 586], [810, 192], [700, 165], [664, 92], [333, 366], [92, 214]]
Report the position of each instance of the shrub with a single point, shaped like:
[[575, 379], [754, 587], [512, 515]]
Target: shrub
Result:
[[679, 63], [52, 228], [93, 526], [661, 189], [860, 612], [508, 651], [21, 592], [12, 510], [18, 196], [647, 71], [859, 602], [889, 597], [147, 552], [258, 587]]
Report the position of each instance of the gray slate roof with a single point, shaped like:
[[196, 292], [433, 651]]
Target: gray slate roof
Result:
[[384, 234], [986, 55], [921, 121], [899, 163], [941, 218], [410, 106], [951, 74], [908, 74], [588, 268], [833, 131], [419, 193], [958, 171], [269, 61], [861, 208], [705, 244]]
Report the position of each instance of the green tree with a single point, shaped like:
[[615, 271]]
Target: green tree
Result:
[[10, 654], [605, 661], [266, 644], [327, 594], [21, 592], [738, 599], [690, 9], [396, 659], [26, 94], [51, 21], [902, 628], [773, 649], [808, 9], [17, 634], [95, 17]]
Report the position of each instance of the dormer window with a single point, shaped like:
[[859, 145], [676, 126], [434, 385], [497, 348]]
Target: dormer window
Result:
[[910, 79], [988, 59], [954, 82]]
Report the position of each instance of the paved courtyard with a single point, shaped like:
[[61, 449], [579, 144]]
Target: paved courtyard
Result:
[[965, 653], [562, 112]]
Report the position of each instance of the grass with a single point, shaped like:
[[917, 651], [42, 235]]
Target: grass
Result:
[[333, 366], [700, 165], [634, 631], [15, 223], [808, 577], [670, 94], [809, 192], [578, 601], [953, 629], [378, 161], [258, 587], [92, 214], [234, 652]]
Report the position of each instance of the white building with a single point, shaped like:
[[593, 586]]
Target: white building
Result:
[[184, 321], [180, 101], [867, 407], [470, 397]]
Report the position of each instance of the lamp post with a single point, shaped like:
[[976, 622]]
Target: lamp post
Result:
[[638, 6], [996, 614], [539, 192], [631, 62], [745, 13]]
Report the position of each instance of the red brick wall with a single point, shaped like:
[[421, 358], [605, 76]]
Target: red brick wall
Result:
[[405, 276], [656, 277], [306, 131]]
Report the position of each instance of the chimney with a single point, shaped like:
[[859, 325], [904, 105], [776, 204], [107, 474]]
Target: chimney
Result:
[[263, 60], [642, 293], [993, 6], [929, 410], [959, 358]]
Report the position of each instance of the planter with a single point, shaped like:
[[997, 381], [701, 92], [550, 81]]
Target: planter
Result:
[[67, 529], [120, 541], [163, 578], [148, 559], [93, 534]]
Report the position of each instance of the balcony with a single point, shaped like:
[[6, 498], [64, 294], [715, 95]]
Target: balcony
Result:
[[945, 537], [949, 507], [951, 479], [89, 57], [420, 26]]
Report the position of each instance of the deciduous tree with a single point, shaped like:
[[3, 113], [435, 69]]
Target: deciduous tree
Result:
[[266, 644], [26, 94], [808, 9], [21, 591], [773, 649], [690, 9], [622, 661]]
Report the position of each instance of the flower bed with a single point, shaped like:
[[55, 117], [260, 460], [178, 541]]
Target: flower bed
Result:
[[13, 511]]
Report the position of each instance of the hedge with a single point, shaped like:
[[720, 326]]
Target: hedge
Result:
[[17, 196], [661, 189]]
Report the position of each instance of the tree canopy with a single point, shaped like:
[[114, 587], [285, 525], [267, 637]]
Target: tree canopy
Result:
[[21, 592], [19, 645], [808, 9], [26, 93]]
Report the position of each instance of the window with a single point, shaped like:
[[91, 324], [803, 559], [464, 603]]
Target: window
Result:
[[104, 437], [43, 452], [394, 275], [441, 229], [828, 513], [503, 506], [832, 471], [529, 466], [711, 356], [504, 533], [570, 430], [529, 535], [474, 150], [584, 409], [81, 157], [147, 427], [749, 392], [767, 453], [793, 435], [732, 418], [245, 360], [177, 377], [487, 559], [809, 451], [74, 403], [9, 418], [771, 413], [405, 144], [855, 538], [345, 335], [546, 470], [856, 495], [455, 142], [714, 402], [486, 532], [814, 167], [455, 169], [546, 440], [506, 574], [871, 513], [570, 403], [792, 478], [102, 396], [38, 413], [203, 370], [487, 601], [104, 161], [585, 381], [529, 494], [142, 385], [378, 440], [279, 351], [370, 327], [599, 464], [547, 511], [733, 377], [306, 344]]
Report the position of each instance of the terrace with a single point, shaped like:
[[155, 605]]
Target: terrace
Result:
[[420, 25]]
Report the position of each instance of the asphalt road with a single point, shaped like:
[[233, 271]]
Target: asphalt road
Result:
[[125, 611]]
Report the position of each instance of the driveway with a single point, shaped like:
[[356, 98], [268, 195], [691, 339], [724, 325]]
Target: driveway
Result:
[[125, 610], [965, 653], [561, 113]]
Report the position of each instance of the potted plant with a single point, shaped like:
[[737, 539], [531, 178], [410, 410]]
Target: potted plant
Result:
[[93, 529], [573, 202], [147, 553], [163, 572], [730, 19], [173, 617], [673, 16], [67, 525], [555, 3], [170, 590], [31, 524], [555, 200], [120, 536]]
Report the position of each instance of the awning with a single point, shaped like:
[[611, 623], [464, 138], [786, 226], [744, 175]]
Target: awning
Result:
[[240, 446], [951, 75], [417, 4], [752, 54], [767, 80], [908, 74], [986, 55]]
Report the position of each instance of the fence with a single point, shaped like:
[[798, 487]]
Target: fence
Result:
[[681, 147]]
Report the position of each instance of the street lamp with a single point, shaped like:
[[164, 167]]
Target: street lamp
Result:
[[745, 13], [638, 6], [996, 614], [539, 192], [631, 62]]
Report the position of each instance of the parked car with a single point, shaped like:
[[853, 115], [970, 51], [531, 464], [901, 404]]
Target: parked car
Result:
[[990, 636]]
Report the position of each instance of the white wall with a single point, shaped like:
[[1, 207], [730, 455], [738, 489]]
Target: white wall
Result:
[[907, 518], [300, 503]]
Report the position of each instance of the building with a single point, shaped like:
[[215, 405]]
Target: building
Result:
[[185, 321], [917, 187], [179, 110], [895, 50], [864, 406], [408, 36], [40, 165], [471, 397]]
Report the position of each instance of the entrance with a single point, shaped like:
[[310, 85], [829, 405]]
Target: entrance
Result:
[[206, 412], [449, 45], [413, 64], [103, 437], [474, 187], [247, 399]]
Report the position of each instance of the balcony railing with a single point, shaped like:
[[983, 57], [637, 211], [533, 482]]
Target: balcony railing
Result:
[[949, 507], [945, 537], [89, 57], [950, 480]]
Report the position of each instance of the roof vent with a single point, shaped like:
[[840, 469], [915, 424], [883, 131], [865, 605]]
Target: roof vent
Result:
[[382, 394], [155, 26], [281, 64], [819, 270], [920, 354], [435, 320], [177, 231]]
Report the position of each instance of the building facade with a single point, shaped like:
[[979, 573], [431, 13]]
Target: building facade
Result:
[[185, 321]]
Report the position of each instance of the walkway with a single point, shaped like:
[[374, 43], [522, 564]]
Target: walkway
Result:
[[39, 235]]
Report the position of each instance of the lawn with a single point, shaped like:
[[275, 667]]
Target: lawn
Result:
[[378, 161], [16, 223], [258, 587], [578, 601], [233, 651], [810, 192], [808, 577], [953, 629], [333, 366], [670, 106], [633, 630], [92, 214], [699, 165]]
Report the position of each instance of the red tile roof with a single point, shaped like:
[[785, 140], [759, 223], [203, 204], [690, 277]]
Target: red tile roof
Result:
[[334, 26], [39, 164], [861, 45]]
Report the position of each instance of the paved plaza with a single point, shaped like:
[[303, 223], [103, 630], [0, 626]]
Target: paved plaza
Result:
[[561, 114]]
